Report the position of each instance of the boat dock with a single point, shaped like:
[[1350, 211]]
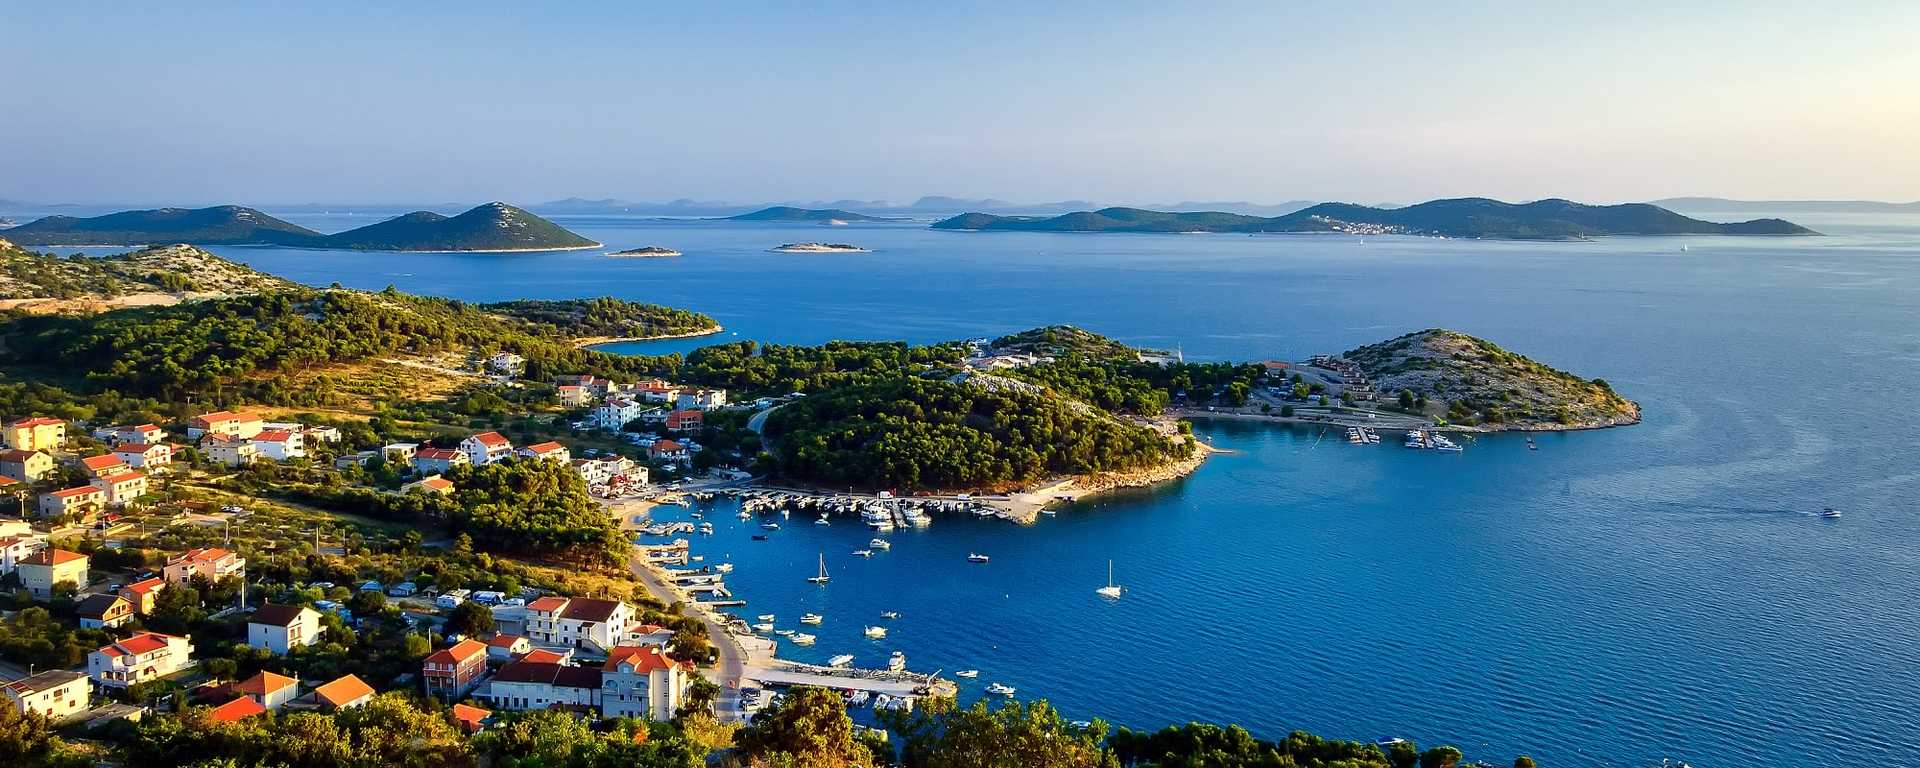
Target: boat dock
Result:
[[777, 672]]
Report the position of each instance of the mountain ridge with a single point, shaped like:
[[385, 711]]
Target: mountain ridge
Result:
[[494, 226]]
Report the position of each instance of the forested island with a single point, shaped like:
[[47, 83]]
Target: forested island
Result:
[[819, 248], [1469, 380], [1462, 218], [490, 227], [646, 252]]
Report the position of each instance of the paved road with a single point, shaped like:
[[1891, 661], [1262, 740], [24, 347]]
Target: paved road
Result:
[[726, 672]]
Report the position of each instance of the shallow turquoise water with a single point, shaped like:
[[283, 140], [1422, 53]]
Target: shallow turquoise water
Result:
[[1614, 598]]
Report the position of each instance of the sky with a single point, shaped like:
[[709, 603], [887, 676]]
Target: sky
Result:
[[347, 102]]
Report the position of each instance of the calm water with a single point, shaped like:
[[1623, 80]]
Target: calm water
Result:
[[1614, 598]]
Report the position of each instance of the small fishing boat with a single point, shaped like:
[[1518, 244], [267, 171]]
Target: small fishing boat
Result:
[[967, 673], [785, 632], [810, 618], [842, 660], [889, 614], [863, 553], [975, 557], [823, 577], [802, 638], [876, 632], [1110, 591], [1001, 689], [763, 627], [765, 617], [1829, 513]]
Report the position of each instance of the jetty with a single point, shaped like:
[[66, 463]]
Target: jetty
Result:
[[780, 672]]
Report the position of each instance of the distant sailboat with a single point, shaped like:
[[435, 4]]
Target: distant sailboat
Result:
[[1110, 590], [823, 577]]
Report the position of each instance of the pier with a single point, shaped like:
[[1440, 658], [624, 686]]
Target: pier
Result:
[[875, 681]]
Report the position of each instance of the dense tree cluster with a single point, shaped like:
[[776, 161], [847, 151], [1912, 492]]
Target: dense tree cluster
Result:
[[1131, 386], [604, 316], [534, 506], [913, 434], [212, 350], [773, 369]]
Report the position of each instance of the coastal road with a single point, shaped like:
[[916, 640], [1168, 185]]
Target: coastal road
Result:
[[758, 421], [727, 671]]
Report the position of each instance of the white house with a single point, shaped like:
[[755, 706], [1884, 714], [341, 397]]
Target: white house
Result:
[[229, 451], [137, 659], [18, 547], [135, 433], [641, 681], [434, 461], [147, 456], [530, 685], [279, 628], [486, 448], [546, 450], [280, 444], [700, 399], [577, 621], [55, 694], [507, 363], [211, 563], [269, 690], [615, 413]]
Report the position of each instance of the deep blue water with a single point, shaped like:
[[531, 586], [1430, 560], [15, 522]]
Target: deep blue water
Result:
[[1615, 598]]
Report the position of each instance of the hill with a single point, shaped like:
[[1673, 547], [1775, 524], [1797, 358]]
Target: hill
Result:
[[1463, 217], [1473, 381], [490, 227], [1061, 341], [219, 225], [1717, 204], [44, 282], [604, 318], [789, 213]]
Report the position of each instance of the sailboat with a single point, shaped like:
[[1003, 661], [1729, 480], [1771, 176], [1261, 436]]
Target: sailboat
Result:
[[823, 577], [1110, 590]]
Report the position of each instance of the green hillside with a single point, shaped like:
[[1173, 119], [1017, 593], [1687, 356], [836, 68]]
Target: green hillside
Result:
[[1464, 217], [788, 213], [219, 225], [491, 227]]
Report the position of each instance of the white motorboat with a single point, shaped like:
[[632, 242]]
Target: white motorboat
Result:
[[880, 544], [802, 638], [967, 673], [842, 660], [763, 627], [823, 577], [822, 521], [975, 557], [1829, 513], [765, 617], [723, 568], [784, 632], [876, 632], [1001, 689], [770, 525], [1110, 591], [810, 618], [896, 662]]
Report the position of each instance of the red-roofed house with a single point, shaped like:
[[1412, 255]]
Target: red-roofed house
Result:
[[271, 690], [142, 594], [136, 433], [577, 621], [429, 460], [25, 466], [451, 672], [641, 681], [685, 419], [237, 710], [345, 693], [504, 647], [102, 465], [544, 656], [486, 447], [667, 450], [137, 659], [429, 484], [547, 450], [280, 444], [230, 424], [525, 685], [145, 455], [471, 719], [122, 487], [213, 563], [77, 502], [46, 569], [37, 433]]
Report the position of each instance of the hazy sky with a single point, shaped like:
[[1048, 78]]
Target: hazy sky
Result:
[[1110, 101]]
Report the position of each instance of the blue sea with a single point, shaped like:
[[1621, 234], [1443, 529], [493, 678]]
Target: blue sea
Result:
[[1616, 598]]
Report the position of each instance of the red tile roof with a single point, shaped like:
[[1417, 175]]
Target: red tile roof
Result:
[[547, 604], [665, 446], [503, 641], [546, 447], [343, 691], [542, 656], [265, 683], [150, 585], [436, 453], [121, 477], [144, 642], [52, 557], [457, 653], [559, 675], [273, 436], [102, 462], [491, 439], [36, 421], [471, 717], [236, 710], [72, 492], [644, 658]]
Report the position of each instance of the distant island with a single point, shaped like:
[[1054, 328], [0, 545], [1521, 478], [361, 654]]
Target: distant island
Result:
[[490, 227], [787, 213], [646, 252], [1465, 380], [1717, 204], [1460, 218], [819, 248]]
